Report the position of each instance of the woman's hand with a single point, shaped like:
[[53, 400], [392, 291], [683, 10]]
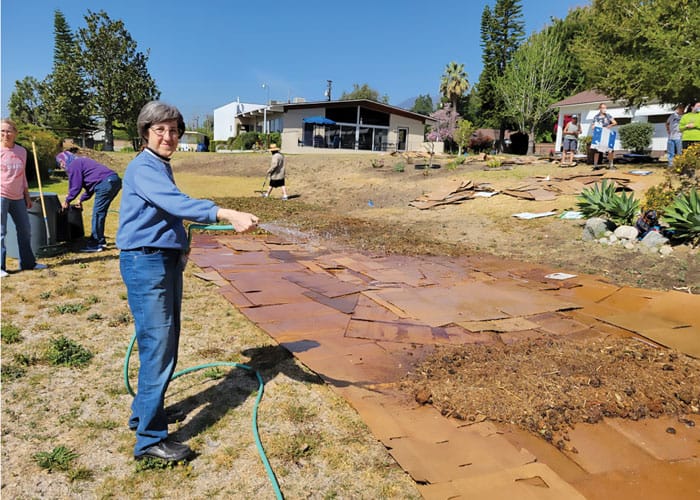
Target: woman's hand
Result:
[[241, 221]]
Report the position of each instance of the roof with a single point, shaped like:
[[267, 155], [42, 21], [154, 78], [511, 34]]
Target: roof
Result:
[[366, 103], [585, 97]]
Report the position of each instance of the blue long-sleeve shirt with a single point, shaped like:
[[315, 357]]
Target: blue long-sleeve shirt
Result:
[[85, 173], [152, 207]]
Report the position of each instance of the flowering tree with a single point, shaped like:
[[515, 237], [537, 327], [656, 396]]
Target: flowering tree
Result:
[[446, 124]]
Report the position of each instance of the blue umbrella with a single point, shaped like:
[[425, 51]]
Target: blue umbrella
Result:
[[318, 120]]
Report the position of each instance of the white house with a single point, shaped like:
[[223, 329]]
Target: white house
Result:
[[226, 121], [585, 106]]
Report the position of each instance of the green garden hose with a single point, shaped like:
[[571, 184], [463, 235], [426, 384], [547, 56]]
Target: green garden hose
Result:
[[261, 383]]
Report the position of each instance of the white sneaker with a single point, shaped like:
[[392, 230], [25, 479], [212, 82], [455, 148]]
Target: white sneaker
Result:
[[3, 273], [37, 266], [285, 198]]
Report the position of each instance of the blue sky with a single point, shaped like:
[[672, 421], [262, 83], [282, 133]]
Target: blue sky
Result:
[[206, 54]]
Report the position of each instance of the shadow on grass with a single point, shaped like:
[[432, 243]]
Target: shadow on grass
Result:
[[236, 387]]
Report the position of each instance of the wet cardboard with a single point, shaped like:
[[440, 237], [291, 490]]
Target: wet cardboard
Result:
[[362, 344], [651, 434], [600, 448], [533, 481]]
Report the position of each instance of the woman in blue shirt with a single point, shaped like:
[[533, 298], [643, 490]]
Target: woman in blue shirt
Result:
[[153, 244]]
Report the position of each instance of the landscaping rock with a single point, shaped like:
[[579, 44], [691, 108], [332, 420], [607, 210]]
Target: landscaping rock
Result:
[[626, 232], [654, 240], [666, 250], [595, 229]]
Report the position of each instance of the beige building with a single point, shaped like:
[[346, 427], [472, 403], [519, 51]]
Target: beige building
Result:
[[329, 126], [353, 125]]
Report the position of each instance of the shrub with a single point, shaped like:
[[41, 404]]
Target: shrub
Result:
[[65, 352], [399, 166], [584, 142], [636, 136], [481, 142], [48, 145], [246, 140], [493, 163], [602, 201], [10, 333], [11, 372], [658, 197], [687, 163], [60, 458], [683, 217]]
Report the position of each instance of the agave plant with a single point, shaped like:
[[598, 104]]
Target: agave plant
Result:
[[602, 201], [683, 217]]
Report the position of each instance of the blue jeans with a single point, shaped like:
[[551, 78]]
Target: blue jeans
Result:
[[153, 280], [673, 147], [17, 209], [105, 191]]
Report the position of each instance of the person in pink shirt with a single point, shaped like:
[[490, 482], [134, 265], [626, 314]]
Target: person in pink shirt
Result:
[[14, 197]]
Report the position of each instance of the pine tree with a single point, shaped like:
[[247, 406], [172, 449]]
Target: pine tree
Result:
[[66, 95], [502, 32]]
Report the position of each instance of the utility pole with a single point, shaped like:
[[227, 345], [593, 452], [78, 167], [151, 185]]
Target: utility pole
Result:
[[329, 86], [266, 129]]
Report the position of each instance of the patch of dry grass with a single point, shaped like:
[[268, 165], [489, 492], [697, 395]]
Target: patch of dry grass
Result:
[[86, 409]]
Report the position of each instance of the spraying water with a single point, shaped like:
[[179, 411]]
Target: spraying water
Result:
[[293, 235]]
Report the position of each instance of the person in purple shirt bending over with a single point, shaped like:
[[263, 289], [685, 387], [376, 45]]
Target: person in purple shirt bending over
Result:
[[94, 178], [154, 246]]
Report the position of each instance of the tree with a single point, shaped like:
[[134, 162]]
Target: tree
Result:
[[463, 134], [116, 73], [26, 103], [502, 32], [423, 105], [445, 126], [635, 51], [454, 83], [533, 80], [67, 99], [363, 92]]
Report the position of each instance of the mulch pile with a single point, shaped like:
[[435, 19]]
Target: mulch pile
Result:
[[548, 386]]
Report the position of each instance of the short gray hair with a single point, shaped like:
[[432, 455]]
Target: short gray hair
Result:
[[10, 123], [156, 112]]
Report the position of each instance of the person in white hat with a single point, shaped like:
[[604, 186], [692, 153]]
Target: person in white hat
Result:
[[276, 172]]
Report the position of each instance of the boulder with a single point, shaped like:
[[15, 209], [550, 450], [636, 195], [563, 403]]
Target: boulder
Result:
[[654, 240], [595, 229], [626, 232], [665, 250]]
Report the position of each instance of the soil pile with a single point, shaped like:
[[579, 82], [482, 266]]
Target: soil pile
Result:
[[548, 386]]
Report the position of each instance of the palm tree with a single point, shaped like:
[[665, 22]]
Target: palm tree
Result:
[[454, 83]]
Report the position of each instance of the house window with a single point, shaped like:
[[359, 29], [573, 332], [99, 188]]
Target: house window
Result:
[[623, 120]]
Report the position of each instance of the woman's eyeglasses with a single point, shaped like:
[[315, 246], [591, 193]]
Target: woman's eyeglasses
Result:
[[161, 131]]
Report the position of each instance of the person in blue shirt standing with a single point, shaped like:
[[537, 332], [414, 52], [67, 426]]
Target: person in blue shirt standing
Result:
[[153, 243], [94, 178]]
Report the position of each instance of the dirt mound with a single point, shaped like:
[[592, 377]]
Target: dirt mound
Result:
[[548, 386]]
